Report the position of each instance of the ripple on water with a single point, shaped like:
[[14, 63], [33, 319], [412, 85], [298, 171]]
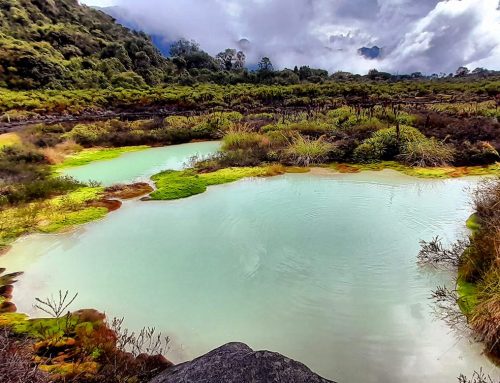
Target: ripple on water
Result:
[[320, 268]]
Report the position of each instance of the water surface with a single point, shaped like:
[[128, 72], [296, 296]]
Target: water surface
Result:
[[318, 267], [139, 166]]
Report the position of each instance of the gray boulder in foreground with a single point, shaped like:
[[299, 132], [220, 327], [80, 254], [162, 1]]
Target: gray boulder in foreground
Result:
[[238, 363]]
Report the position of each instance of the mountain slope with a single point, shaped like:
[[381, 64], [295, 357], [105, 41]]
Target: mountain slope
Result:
[[59, 43], [124, 18]]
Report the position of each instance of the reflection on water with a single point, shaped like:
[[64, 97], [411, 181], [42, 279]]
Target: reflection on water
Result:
[[320, 268], [139, 166]]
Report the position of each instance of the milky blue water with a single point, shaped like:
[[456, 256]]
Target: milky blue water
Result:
[[320, 267], [139, 166]]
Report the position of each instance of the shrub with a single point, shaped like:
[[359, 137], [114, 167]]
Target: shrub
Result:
[[304, 152], [38, 189], [88, 134], [385, 144], [243, 140], [479, 153], [426, 152]]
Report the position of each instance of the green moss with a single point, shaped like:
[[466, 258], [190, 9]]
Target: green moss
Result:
[[9, 139], [100, 154], [75, 218], [431, 172], [228, 175], [473, 223], [173, 184], [53, 215], [467, 296]]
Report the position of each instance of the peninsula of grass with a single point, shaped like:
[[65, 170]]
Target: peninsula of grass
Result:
[[172, 184], [87, 156]]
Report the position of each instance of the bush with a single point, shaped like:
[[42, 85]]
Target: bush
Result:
[[385, 144], [479, 153], [88, 134], [304, 152], [243, 140], [426, 152], [38, 189]]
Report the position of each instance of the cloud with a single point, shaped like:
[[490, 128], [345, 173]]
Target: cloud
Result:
[[425, 35]]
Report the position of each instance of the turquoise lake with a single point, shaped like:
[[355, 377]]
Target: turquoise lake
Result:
[[320, 267]]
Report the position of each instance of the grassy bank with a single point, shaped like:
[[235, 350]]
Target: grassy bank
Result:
[[87, 156], [477, 263], [51, 215], [173, 184], [479, 268], [421, 172]]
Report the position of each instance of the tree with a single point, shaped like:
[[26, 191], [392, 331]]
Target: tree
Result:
[[462, 72], [230, 59], [184, 48], [265, 65]]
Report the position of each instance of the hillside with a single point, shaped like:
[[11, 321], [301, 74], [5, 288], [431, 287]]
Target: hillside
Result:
[[61, 44]]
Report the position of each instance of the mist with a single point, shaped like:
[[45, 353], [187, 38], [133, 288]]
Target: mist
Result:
[[429, 36]]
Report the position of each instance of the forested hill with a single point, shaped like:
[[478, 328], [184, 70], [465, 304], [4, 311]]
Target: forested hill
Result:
[[60, 43]]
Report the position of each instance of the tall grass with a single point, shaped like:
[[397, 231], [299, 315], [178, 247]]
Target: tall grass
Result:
[[304, 152], [481, 266]]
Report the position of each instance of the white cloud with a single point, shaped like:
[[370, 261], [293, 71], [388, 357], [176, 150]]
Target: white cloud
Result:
[[424, 35]]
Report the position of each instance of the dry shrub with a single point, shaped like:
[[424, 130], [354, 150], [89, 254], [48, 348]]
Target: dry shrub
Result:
[[55, 155], [16, 361]]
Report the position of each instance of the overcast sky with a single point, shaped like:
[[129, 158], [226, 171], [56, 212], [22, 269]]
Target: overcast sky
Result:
[[416, 35]]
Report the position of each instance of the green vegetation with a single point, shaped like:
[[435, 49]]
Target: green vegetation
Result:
[[304, 152], [9, 139], [61, 44], [64, 45], [479, 269], [477, 294], [251, 97], [52, 215], [95, 154], [80, 346], [173, 184], [427, 172]]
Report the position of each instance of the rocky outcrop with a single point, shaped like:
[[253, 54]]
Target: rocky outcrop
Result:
[[238, 363]]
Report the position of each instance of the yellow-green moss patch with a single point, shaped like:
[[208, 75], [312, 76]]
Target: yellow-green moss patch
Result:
[[96, 154], [436, 172], [9, 139], [173, 184], [74, 218], [473, 223], [467, 296], [53, 215]]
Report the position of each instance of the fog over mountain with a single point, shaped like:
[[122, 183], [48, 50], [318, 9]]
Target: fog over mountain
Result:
[[430, 36]]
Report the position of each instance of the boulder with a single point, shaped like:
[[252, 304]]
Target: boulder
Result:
[[238, 363]]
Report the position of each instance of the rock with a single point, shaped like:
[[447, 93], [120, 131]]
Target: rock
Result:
[[6, 291], [154, 363], [110, 204], [238, 363], [129, 191], [7, 308], [90, 315]]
